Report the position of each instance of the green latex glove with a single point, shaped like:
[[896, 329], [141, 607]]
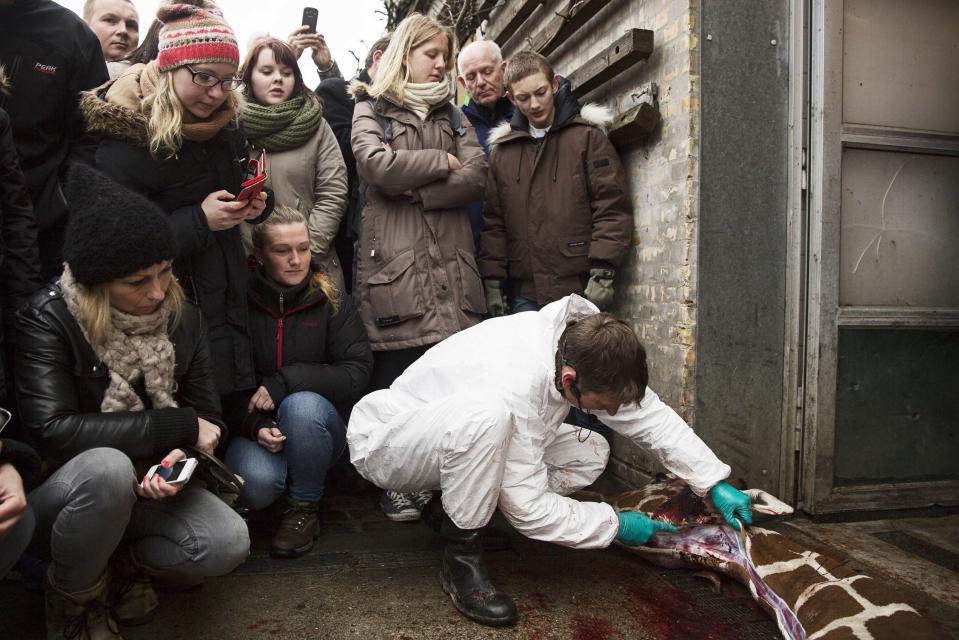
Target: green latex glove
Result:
[[732, 503], [495, 300], [637, 528], [599, 289]]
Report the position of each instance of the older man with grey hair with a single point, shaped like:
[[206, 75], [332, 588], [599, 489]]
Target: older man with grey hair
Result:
[[481, 67]]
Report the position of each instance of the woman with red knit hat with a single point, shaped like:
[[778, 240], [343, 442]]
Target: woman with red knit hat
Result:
[[169, 131]]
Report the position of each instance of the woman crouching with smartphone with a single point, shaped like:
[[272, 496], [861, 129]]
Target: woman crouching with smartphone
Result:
[[113, 376], [312, 361]]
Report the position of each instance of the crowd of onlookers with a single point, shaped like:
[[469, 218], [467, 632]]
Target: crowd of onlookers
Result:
[[156, 309]]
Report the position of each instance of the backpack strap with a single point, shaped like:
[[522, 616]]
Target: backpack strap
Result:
[[385, 123], [456, 121]]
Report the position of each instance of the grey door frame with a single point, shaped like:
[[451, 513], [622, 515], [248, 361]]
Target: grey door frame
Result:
[[827, 139]]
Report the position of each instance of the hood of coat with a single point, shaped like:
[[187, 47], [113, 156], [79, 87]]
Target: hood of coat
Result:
[[591, 114], [279, 300], [568, 113], [110, 119]]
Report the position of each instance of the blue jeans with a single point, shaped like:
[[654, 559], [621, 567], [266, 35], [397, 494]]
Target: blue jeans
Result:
[[521, 304], [315, 438]]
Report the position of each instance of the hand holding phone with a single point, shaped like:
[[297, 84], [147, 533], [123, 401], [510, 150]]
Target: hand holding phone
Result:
[[177, 473], [154, 487]]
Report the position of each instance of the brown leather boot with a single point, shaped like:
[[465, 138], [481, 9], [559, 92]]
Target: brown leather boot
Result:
[[81, 615], [299, 527]]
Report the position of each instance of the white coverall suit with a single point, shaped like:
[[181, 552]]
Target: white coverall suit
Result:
[[479, 416]]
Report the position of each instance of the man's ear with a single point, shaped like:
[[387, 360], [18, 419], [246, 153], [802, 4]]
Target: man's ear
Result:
[[555, 84], [509, 96], [568, 380], [461, 82]]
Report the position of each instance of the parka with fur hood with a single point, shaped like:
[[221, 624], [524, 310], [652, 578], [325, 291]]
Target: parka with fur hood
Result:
[[417, 281], [211, 265], [554, 207]]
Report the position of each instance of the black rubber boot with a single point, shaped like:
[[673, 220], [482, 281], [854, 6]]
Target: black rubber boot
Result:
[[493, 538], [464, 577]]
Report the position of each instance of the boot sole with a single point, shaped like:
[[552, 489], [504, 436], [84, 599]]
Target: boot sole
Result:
[[290, 553], [137, 622], [489, 622]]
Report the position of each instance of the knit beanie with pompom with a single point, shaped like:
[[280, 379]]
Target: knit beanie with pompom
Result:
[[194, 33]]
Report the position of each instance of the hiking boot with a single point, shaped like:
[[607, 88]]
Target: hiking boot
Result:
[[400, 507], [464, 577], [133, 601], [82, 615], [299, 527]]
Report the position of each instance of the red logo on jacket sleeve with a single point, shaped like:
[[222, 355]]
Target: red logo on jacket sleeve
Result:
[[309, 323]]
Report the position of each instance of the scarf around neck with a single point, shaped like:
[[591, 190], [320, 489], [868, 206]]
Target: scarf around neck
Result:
[[279, 127], [420, 97], [136, 347], [139, 83]]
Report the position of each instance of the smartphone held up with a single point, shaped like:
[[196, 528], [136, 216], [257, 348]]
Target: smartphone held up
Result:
[[310, 16]]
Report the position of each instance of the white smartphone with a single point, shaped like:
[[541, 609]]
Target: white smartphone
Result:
[[178, 473]]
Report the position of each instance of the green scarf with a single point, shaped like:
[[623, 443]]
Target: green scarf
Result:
[[283, 126]]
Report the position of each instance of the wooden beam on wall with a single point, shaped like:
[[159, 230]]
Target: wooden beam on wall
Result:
[[634, 126], [635, 45], [562, 27], [515, 16]]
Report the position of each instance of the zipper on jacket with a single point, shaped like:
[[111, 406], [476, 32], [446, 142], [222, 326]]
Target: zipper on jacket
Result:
[[279, 337]]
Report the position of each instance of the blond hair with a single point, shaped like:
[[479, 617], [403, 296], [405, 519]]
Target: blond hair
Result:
[[166, 116], [393, 74], [288, 215], [93, 310]]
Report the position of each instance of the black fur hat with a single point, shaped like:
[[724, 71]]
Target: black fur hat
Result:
[[113, 232]]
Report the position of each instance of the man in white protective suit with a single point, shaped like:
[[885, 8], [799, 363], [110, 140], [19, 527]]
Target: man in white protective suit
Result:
[[480, 417]]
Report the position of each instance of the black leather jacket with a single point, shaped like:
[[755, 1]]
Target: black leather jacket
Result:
[[61, 383]]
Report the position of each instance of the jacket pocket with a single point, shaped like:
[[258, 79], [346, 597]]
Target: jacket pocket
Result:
[[575, 252], [395, 294], [472, 297]]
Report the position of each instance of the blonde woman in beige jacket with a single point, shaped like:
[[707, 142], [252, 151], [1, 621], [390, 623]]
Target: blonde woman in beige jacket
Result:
[[305, 167]]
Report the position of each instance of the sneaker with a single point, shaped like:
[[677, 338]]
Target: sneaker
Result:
[[400, 507], [421, 499]]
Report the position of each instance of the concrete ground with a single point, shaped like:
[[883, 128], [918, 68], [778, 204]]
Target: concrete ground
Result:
[[370, 578]]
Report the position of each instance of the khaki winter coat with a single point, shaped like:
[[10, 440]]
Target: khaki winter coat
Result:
[[311, 179], [555, 207], [417, 280]]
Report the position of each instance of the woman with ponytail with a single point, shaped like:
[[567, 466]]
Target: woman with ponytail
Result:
[[304, 164], [312, 362]]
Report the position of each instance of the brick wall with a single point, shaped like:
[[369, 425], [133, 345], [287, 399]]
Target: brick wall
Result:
[[656, 290]]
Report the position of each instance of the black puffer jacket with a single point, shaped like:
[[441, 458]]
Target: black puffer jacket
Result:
[[19, 260], [50, 56], [211, 265], [299, 344], [61, 383]]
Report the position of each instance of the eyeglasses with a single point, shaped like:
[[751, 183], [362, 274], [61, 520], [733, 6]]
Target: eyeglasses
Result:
[[207, 80]]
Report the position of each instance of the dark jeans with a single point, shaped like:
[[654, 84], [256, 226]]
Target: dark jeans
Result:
[[315, 438], [389, 365], [88, 506], [521, 304], [15, 542]]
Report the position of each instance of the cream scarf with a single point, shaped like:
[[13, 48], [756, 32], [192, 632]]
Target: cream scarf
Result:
[[423, 96], [137, 346]]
